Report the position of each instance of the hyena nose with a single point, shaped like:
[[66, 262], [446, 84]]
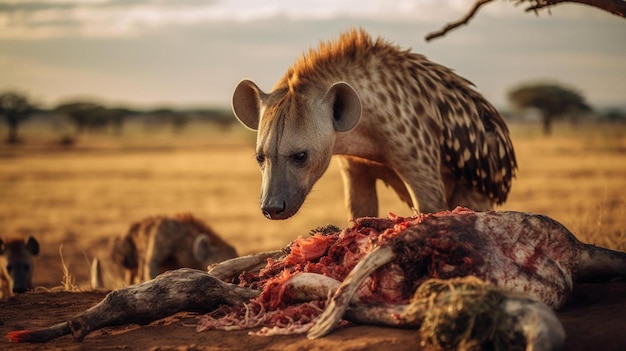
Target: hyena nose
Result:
[[274, 210], [19, 289]]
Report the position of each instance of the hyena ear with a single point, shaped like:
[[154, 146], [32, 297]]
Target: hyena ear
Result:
[[247, 103], [346, 106], [33, 246], [202, 249]]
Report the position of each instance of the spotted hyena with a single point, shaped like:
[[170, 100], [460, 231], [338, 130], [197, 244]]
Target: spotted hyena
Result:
[[16, 260], [158, 244], [389, 114]]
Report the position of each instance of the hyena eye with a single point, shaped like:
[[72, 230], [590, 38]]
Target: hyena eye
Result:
[[260, 159], [299, 158]]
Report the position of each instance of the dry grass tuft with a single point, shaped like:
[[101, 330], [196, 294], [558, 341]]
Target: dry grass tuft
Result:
[[68, 284], [465, 314]]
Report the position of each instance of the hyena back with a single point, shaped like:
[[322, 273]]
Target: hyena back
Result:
[[161, 243]]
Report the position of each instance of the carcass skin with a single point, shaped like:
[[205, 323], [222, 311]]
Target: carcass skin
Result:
[[372, 270], [518, 252]]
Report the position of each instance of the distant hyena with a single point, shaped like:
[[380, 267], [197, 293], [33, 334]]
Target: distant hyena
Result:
[[16, 258], [158, 244]]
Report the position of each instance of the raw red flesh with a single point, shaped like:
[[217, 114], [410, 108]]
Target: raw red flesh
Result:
[[332, 255]]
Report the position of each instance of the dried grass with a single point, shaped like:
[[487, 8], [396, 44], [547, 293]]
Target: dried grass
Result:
[[464, 314], [68, 283]]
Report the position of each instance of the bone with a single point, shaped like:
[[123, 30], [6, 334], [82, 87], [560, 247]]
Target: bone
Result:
[[313, 286], [343, 295], [175, 291], [230, 269]]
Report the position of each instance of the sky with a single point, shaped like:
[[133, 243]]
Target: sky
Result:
[[192, 53]]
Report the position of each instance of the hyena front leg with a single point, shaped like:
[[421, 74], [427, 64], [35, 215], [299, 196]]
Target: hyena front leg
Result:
[[359, 188], [359, 179], [424, 185]]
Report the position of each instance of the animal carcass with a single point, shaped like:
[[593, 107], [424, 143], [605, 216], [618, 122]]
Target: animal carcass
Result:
[[372, 270]]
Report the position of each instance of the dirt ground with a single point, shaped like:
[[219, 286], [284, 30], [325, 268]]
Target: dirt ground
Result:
[[593, 320]]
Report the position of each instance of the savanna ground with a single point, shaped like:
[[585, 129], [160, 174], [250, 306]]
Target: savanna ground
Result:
[[73, 199]]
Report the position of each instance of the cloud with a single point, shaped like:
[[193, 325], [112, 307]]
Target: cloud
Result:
[[45, 19], [194, 52], [33, 6], [104, 18]]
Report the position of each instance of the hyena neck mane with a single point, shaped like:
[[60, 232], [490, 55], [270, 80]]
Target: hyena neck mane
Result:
[[353, 58]]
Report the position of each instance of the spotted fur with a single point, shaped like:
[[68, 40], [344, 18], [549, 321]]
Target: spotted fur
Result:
[[390, 114], [157, 244]]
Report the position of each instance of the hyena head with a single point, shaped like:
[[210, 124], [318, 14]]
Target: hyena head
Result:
[[295, 137], [17, 262]]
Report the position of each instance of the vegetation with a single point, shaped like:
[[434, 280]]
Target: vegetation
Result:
[[77, 118], [15, 108], [552, 100]]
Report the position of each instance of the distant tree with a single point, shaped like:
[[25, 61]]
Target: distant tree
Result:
[[177, 119], [615, 115], [220, 117], [84, 115], [15, 108], [117, 117], [553, 101]]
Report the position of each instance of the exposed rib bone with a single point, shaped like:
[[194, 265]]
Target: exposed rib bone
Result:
[[230, 269]]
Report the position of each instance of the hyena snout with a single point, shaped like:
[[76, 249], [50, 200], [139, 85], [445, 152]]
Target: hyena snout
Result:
[[281, 207], [20, 282], [274, 209]]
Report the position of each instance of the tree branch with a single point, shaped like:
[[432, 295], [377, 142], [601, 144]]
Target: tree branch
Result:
[[616, 7], [450, 26]]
